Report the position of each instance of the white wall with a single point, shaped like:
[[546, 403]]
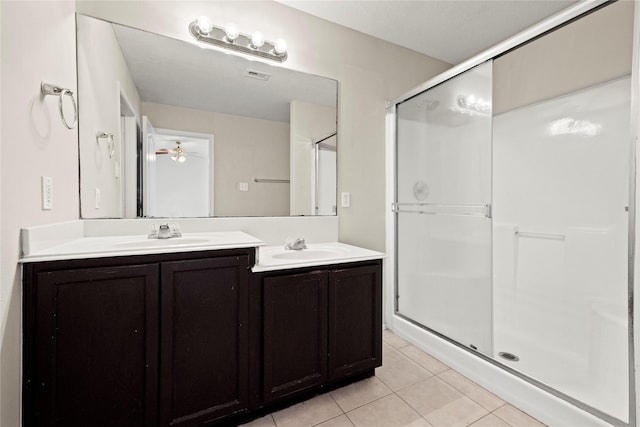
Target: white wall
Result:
[[101, 63], [244, 148], [34, 143], [369, 72]]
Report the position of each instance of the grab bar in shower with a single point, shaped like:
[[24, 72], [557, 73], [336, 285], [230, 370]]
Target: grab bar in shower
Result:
[[443, 209], [534, 235]]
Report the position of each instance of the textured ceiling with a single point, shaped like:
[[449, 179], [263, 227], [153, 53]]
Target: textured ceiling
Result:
[[173, 72], [449, 30]]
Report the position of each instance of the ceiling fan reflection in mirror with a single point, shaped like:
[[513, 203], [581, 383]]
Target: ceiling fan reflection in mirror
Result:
[[178, 154]]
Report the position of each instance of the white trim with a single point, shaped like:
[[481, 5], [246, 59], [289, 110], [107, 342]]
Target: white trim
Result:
[[634, 283]]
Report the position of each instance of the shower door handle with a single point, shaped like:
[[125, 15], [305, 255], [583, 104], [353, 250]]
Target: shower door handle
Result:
[[443, 209]]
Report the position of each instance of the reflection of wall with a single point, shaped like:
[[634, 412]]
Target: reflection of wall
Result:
[[543, 68], [33, 143], [369, 71], [101, 60], [244, 148], [308, 122]]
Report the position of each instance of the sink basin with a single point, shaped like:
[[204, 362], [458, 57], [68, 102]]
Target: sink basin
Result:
[[307, 254], [152, 243]]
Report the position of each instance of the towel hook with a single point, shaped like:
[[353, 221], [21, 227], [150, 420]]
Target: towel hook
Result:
[[110, 142], [49, 89]]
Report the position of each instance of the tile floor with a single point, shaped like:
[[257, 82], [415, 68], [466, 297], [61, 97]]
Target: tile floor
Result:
[[411, 389]]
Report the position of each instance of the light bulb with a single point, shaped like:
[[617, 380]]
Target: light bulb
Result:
[[280, 47], [204, 25], [257, 39], [182, 159], [231, 32]]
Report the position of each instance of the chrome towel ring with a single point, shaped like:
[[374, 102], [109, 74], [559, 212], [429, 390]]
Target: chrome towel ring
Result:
[[49, 89]]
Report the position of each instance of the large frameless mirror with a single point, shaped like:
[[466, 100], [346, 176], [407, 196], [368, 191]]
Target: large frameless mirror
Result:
[[171, 129]]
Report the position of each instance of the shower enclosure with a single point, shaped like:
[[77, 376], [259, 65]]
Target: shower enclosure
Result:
[[511, 210]]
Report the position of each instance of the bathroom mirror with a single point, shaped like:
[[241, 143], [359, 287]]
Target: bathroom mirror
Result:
[[172, 129]]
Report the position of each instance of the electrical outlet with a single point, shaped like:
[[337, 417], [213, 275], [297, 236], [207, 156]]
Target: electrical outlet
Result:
[[97, 198], [345, 199], [47, 192]]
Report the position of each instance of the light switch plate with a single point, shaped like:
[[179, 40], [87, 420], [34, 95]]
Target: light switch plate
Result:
[[345, 199], [243, 186], [47, 192]]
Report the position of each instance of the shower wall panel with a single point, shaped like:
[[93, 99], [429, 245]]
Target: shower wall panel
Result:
[[560, 200]]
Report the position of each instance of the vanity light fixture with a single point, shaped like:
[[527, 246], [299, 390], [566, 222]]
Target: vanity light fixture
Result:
[[229, 37]]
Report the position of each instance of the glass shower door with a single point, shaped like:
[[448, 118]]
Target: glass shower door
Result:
[[443, 202]]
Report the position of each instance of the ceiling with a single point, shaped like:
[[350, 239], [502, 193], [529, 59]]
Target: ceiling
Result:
[[173, 72], [449, 30]]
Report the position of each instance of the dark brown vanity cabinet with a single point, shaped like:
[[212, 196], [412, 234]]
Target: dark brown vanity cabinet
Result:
[[320, 325], [204, 340], [190, 339], [295, 333], [91, 346], [152, 340]]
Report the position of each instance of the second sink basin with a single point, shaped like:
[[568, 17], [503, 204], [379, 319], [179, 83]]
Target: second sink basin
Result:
[[307, 254]]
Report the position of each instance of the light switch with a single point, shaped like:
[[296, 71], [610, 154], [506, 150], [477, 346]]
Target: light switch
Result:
[[345, 199], [97, 198], [243, 186], [47, 192]]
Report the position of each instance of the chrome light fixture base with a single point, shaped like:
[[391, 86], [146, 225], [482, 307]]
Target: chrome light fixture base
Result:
[[217, 36]]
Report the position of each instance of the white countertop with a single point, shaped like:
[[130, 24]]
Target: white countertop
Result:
[[278, 258], [97, 247]]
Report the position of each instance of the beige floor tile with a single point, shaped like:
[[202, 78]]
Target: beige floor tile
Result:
[[459, 413], [261, 422], [398, 371], [441, 404], [425, 360], [516, 417], [393, 340], [386, 412], [429, 395], [472, 390], [360, 393], [490, 421], [341, 421], [308, 413]]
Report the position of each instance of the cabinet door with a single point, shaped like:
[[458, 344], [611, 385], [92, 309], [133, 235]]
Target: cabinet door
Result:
[[355, 320], [295, 333], [96, 347], [203, 358]]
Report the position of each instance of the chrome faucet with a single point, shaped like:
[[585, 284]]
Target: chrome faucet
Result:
[[296, 244], [165, 231]]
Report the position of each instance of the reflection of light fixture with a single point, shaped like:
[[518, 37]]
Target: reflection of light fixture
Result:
[[231, 32], [178, 154], [229, 37], [569, 126], [473, 105]]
